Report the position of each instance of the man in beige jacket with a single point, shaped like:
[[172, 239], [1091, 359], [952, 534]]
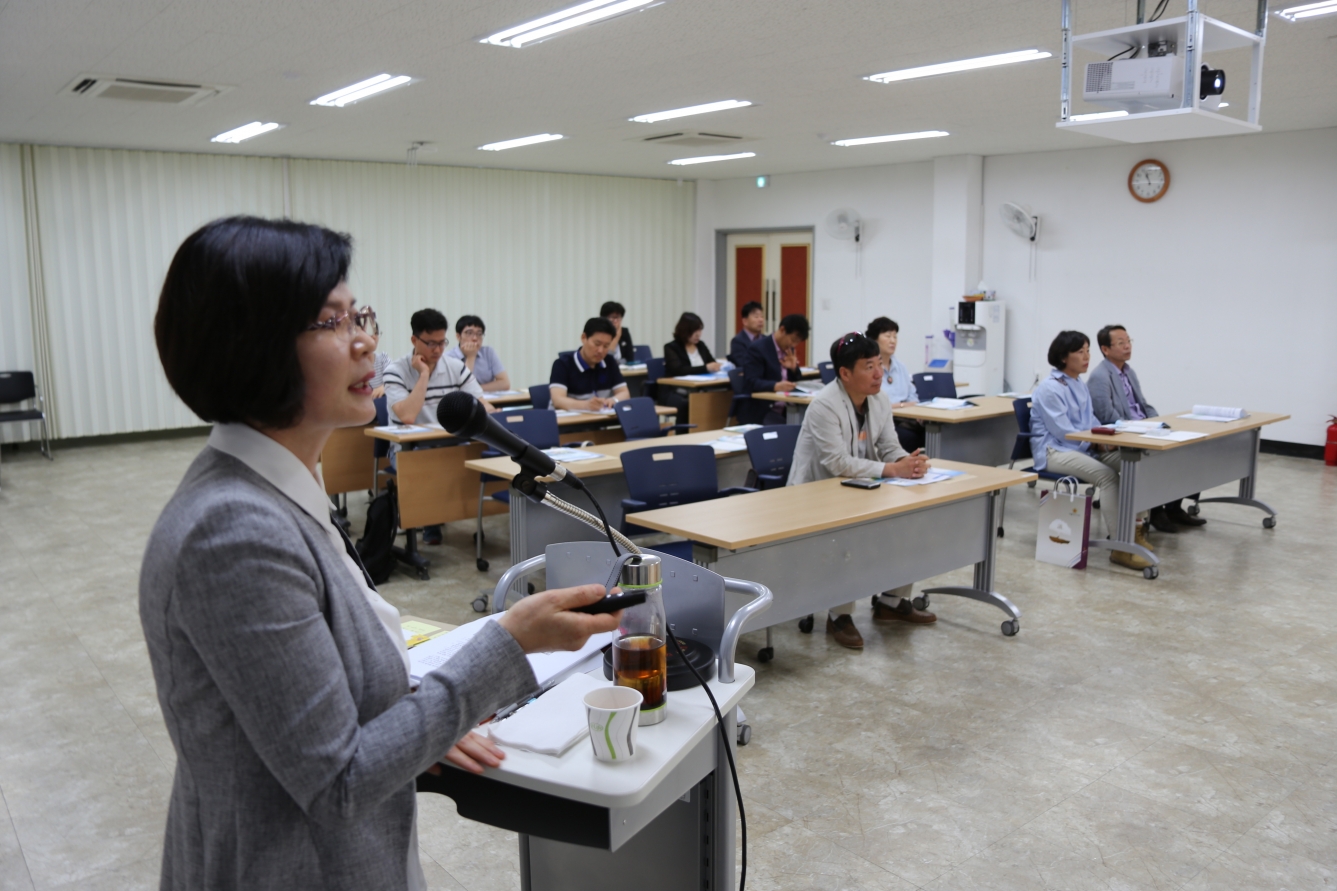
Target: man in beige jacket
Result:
[[846, 434]]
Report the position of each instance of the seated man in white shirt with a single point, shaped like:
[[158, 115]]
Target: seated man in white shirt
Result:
[[848, 431], [415, 383]]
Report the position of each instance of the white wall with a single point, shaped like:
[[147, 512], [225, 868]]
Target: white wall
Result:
[[896, 204], [1228, 284], [535, 254]]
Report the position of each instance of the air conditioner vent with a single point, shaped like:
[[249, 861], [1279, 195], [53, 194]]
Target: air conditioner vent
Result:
[[95, 86], [692, 138]]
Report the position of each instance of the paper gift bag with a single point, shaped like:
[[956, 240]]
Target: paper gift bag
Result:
[[1065, 525]]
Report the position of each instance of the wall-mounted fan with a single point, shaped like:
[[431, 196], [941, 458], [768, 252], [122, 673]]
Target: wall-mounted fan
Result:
[[845, 224], [1020, 220]]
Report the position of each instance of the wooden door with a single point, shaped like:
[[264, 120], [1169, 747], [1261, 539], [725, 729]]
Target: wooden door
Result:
[[794, 278], [774, 269]]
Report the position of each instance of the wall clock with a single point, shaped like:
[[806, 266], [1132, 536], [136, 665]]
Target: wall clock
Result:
[[1148, 181]]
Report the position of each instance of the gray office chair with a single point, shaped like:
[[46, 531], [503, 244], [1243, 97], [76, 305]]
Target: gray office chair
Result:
[[695, 599]]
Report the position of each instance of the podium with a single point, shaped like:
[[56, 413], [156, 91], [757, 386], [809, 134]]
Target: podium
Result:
[[661, 822]]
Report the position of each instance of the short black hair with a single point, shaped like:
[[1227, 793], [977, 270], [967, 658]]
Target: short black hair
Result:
[[795, 323], [238, 294], [600, 325], [879, 326], [425, 320], [1066, 342], [469, 322], [1103, 335], [612, 307], [688, 324], [852, 348], [749, 308]]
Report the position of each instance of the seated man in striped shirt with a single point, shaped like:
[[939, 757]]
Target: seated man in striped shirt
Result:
[[415, 383]]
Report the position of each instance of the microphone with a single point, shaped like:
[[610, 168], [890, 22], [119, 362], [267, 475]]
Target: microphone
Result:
[[464, 416]]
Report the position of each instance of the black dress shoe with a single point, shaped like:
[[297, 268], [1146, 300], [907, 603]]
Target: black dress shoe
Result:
[[1161, 520], [1177, 514]]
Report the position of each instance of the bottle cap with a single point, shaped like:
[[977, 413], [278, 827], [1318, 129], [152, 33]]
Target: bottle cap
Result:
[[641, 571]]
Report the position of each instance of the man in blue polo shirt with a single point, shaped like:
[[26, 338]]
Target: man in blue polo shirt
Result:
[[589, 379]]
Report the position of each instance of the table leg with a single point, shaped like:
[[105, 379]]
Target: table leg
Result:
[[1245, 496], [983, 581], [1122, 540], [409, 555], [932, 439]]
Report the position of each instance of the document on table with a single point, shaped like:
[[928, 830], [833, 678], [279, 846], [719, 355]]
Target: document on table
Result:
[[810, 387], [742, 428], [1172, 435], [720, 376], [568, 413], [1014, 395], [497, 394], [933, 475], [806, 370], [404, 429], [1139, 426], [1215, 413], [549, 668], [567, 455], [947, 402], [728, 444]]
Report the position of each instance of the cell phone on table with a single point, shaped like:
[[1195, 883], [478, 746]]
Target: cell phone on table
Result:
[[862, 483]]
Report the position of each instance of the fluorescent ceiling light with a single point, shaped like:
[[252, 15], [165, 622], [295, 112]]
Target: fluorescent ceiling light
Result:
[[1029, 55], [706, 159], [241, 134], [658, 116], [580, 14], [894, 137], [361, 90], [516, 143], [1099, 116], [1309, 10]]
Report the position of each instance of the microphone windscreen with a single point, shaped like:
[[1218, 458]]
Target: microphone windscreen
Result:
[[457, 410]]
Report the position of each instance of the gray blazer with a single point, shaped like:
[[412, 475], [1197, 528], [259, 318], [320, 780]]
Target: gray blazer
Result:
[[828, 442], [297, 738], [1108, 401]]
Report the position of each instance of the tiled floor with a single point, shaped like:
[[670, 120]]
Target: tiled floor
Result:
[[1169, 734]]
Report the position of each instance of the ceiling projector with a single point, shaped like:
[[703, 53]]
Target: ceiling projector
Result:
[[1148, 84]]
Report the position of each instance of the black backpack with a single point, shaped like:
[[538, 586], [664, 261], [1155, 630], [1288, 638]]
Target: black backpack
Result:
[[376, 546]]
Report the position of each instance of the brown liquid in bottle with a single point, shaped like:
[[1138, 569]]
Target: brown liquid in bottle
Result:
[[641, 662]]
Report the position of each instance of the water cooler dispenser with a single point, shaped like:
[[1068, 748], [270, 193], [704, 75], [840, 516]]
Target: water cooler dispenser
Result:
[[977, 357]]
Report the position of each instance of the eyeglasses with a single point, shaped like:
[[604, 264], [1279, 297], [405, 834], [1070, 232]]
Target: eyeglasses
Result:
[[351, 323], [432, 344], [471, 333], [844, 343]]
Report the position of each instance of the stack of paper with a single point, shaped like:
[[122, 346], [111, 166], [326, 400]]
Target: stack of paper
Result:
[[567, 455], [496, 394], [549, 668], [1215, 413], [932, 476], [1138, 426], [718, 376], [552, 723], [1173, 435], [946, 402], [404, 429], [728, 444], [742, 428], [811, 387], [568, 413]]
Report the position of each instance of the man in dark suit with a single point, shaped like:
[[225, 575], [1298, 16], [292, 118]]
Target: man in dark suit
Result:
[[771, 366], [754, 323]]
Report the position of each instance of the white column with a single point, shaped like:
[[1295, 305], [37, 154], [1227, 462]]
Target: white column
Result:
[[958, 230]]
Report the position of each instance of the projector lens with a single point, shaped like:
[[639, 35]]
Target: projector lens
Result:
[[1212, 82]]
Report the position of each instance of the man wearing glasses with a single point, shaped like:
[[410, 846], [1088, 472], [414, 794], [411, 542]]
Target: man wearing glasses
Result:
[[847, 434], [415, 383]]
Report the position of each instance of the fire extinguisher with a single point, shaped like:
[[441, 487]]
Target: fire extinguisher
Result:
[[1330, 453]]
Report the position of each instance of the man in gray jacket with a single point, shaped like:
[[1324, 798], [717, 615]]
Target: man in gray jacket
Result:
[[1116, 394], [846, 434]]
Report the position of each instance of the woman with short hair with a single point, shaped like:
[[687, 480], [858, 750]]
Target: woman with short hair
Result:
[[685, 354], [281, 673]]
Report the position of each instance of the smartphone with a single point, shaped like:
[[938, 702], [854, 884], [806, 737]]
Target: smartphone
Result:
[[612, 603], [862, 484]]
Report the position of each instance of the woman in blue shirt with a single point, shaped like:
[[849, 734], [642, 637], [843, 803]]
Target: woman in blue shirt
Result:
[[1061, 404], [897, 384]]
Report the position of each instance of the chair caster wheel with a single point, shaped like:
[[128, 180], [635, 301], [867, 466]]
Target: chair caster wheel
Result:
[[805, 624], [1269, 522], [744, 734], [1193, 510], [1151, 572], [483, 535], [481, 564], [1011, 627], [480, 604], [1031, 484], [423, 575], [765, 654], [530, 588], [1000, 531], [920, 602]]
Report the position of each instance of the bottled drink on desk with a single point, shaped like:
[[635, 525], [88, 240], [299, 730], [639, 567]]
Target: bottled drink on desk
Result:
[[640, 651]]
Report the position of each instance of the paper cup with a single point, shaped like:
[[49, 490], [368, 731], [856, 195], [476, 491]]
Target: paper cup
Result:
[[613, 713]]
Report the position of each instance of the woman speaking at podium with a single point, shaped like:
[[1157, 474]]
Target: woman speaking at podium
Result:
[[281, 673]]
